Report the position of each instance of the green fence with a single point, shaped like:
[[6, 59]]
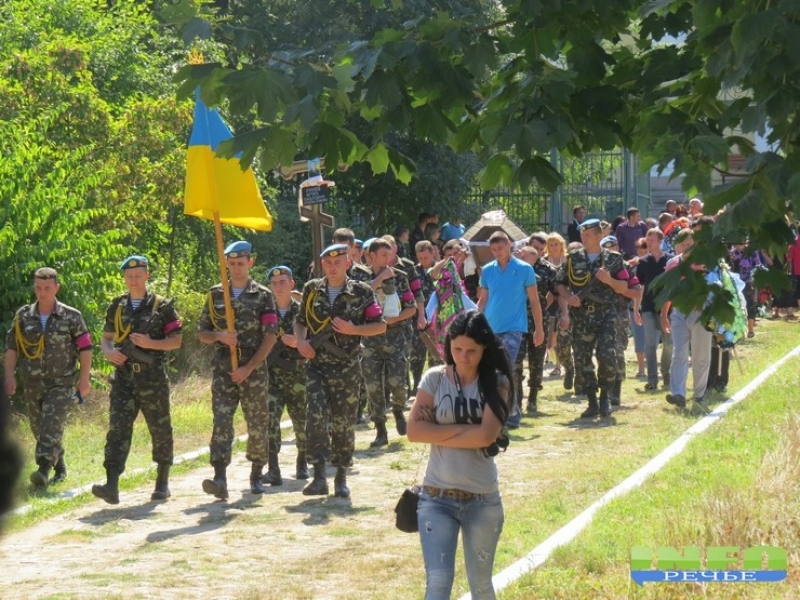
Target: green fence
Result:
[[606, 183]]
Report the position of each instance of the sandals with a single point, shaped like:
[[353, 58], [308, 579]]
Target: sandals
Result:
[[751, 334]]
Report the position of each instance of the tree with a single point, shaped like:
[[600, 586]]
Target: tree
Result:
[[652, 75], [92, 158]]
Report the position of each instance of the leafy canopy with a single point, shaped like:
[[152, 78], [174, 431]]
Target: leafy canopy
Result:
[[684, 83]]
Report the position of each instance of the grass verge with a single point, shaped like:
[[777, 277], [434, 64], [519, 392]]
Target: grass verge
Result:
[[736, 485]]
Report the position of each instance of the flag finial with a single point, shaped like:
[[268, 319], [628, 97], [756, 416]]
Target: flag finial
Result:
[[196, 57]]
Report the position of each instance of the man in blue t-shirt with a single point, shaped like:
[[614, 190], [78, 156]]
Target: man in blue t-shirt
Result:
[[507, 287]]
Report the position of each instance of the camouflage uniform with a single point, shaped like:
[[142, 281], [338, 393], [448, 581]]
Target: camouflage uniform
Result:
[[138, 386], [287, 386], [594, 321], [563, 345], [330, 375], [545, 282], [409, 326], [255, 317], [622, 328], [419, 352], [48, 377], [383, 357]]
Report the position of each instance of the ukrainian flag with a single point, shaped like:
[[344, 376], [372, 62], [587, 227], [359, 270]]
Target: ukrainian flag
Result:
[[218, 184]]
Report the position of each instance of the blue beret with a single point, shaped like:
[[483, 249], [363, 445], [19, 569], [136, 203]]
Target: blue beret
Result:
[[279, 270], [589, 223], [358, 243], [239, 249], [135, 261], [368, 243], [609, 241], [334, 250]]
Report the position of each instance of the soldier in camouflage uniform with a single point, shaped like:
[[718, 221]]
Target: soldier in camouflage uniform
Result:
[[545, 286], [337, 311], [287, 378], [47, 339], [587, 284], [563, 343], [355, 252], [385, 354], [255, 332], [419, 352], [622, 326], [140, 328], [413, 325]]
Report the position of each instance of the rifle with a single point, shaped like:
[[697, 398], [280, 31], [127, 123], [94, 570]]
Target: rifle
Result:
[[274, 359], [323, 340], [132, 351]]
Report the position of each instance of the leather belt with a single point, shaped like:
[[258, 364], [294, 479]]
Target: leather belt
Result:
[[139, 367], [449, 493]]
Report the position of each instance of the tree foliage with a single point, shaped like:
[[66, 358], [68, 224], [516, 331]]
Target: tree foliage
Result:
[[92, 146], [684, 83]]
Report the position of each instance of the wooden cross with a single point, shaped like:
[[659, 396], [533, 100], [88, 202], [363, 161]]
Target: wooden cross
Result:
[[319, 220], [310, 201]]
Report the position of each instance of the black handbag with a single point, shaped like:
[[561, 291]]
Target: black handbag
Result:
[[406, 510]]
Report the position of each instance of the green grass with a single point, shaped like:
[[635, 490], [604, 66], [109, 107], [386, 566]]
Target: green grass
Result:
[[729, 487]]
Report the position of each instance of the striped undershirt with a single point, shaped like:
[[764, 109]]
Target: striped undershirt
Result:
[[333, 292]]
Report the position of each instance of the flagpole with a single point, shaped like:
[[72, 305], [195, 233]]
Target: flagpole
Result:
[[226, 292]]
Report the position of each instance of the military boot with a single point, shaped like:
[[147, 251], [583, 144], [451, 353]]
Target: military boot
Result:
[[162, 484], [614, 397], [40, 477], [301, 469], [362, 406], [217, 487], [605, 404], [256, 473], [59, 470], [533, 397], [381, 435], [340, 488], [318, 485], [110, 490], [399, 421], [273, 476], [594, 409], [569, 378]]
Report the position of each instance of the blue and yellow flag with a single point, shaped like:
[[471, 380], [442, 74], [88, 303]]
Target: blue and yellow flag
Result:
[[214, 183]]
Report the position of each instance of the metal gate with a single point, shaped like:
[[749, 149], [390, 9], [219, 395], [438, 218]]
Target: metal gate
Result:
[[606, 183]]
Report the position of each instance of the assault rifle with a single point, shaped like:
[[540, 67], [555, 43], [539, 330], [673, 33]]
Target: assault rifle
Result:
[[132, 351], [323, 340], [274, 359]]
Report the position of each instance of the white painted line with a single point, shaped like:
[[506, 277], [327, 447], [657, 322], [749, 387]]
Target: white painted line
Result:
[[536, 557], [88, 487]]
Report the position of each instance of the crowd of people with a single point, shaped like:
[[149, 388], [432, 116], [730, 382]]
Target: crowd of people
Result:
[[382, 311]]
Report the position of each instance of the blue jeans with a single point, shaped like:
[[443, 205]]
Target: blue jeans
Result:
[[638, 333], [511, 341], [651, 322], [480, 521]]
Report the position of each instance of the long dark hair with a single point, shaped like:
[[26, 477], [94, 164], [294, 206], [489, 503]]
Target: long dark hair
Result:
[[474, 325]]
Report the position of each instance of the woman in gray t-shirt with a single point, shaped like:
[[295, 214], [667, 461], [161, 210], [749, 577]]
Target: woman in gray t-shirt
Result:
[[460, 410]]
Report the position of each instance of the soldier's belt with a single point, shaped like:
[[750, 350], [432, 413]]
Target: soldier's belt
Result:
[[139, 367], [285, 363], [594, 307], [242, 352]]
